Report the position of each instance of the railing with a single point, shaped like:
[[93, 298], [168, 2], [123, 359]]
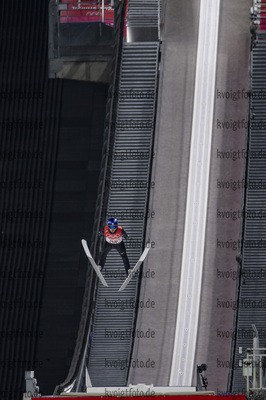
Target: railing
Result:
[[86, 11], [254, 371]]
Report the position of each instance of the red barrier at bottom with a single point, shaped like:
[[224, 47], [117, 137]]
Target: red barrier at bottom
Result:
[[182, 397]]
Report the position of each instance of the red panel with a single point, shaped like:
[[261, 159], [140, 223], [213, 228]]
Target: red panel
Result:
[[188, 397], [263, 15], [86, 11], [125, 22]]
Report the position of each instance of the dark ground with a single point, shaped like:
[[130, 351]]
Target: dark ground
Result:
[[51, 142]]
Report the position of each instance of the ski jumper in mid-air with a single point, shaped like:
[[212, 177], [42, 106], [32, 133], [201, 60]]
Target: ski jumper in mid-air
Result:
[[114, 236]]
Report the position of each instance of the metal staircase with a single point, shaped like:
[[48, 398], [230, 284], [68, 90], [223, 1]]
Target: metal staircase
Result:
[[144, 19], [112, 335], [252, 290], [144, 13]]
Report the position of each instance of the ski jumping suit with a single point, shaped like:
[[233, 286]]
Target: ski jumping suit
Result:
[[115, 241]]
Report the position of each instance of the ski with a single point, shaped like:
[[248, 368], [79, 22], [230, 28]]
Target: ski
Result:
[[142, 258], [93, 264]]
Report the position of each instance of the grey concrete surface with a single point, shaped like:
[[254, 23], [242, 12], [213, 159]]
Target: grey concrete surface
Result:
[[168, 198], [170, 171], [223, 225]]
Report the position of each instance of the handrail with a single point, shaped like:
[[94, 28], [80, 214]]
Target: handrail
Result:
[[253, 365], [241, 237]]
